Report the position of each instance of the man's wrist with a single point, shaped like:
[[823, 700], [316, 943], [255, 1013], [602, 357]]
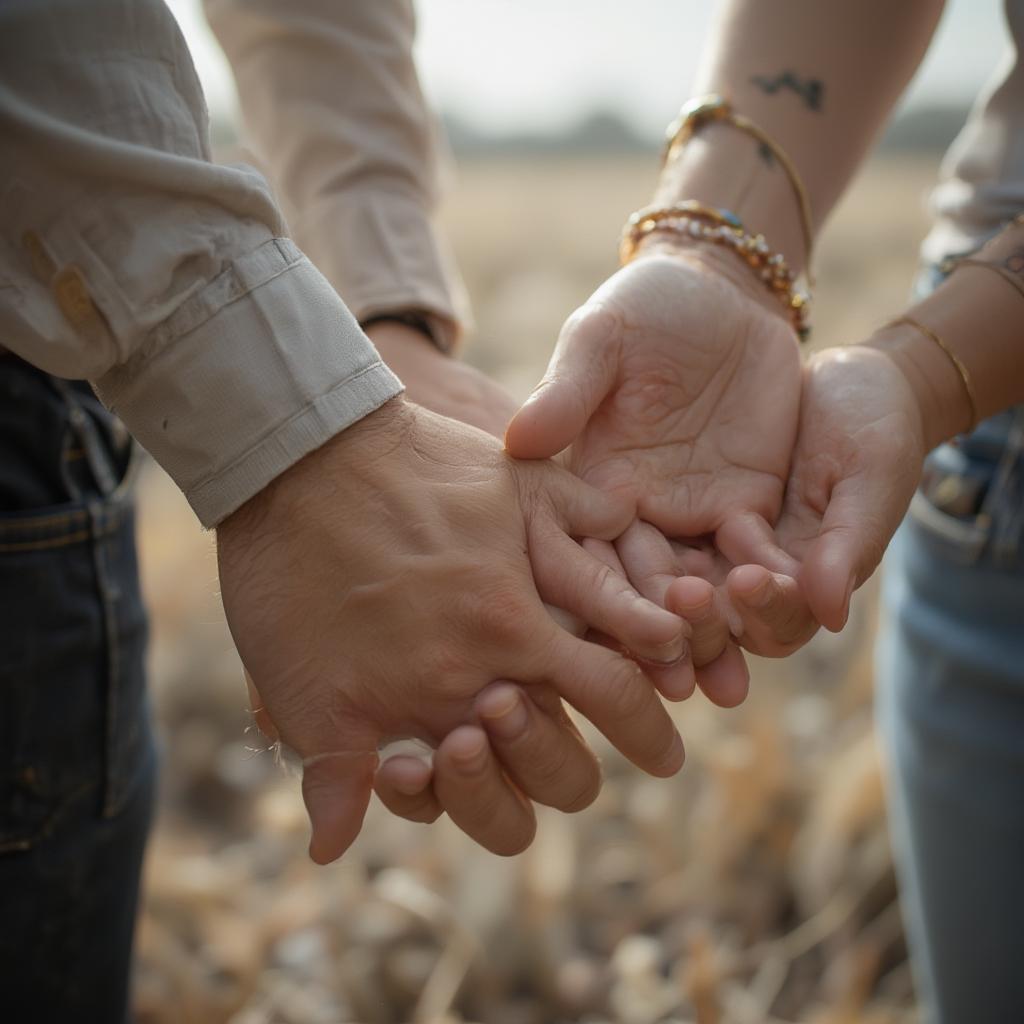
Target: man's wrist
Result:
[[415, 320], [350, 453]]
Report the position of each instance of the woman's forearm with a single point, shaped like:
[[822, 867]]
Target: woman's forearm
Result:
[[818, 76], [979, 315]]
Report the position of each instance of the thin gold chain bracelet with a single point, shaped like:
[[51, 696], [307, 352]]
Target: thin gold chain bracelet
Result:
[[961, 369], [705, 110]]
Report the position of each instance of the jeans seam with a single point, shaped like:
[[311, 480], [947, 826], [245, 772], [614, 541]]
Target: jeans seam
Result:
[[108, 603], [42, 545], [29, 522]]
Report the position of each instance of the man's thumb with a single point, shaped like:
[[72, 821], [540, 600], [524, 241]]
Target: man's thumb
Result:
[[336, 788]]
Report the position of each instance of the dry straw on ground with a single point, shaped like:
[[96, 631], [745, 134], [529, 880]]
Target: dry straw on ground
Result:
[[756, 887]]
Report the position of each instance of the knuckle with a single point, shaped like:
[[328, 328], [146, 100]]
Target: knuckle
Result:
[[547, 765], [441, 668], [588, 588], [607, 582], [628, 692], [704, 648], [496, 612], [791, 621], [474, 813]]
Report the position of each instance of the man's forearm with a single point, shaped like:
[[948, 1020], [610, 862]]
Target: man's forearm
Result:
[[131, 259], [334, 110], [819, 78]]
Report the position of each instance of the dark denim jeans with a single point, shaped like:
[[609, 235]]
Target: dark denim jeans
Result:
[[77, 763]]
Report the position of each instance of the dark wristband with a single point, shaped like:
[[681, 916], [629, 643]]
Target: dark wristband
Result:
[[417, 321]]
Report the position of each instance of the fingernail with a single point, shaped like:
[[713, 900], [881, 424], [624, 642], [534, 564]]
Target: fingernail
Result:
[[506, 715], [474, 753], [681, 684], [408, 785], [761, 595], [668, 654]]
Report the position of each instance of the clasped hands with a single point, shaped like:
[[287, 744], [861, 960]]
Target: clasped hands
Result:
[[413, 578]]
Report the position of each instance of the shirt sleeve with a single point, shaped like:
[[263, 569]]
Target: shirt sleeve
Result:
[[129, 259], [334, 112]]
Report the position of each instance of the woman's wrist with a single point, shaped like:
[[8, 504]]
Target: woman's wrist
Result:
[[943, 402], [717, 259], [727, 168], [960, 349]]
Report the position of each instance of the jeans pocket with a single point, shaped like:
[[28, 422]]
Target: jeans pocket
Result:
[[955, 539], [72, 699]]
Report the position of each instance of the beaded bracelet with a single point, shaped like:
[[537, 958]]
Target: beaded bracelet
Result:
[[721, 227], [704, 110], [650, 218]]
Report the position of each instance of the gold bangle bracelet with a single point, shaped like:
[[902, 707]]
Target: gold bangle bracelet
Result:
[[949, 266], [957, 362], [706, 110]]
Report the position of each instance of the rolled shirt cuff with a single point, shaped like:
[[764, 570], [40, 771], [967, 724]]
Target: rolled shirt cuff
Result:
[[392, 258], [260, 368]]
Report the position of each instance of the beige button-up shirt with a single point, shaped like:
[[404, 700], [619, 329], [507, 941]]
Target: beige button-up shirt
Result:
[[128, 258]]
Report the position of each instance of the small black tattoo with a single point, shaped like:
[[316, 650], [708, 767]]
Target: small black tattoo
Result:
[[1015, 261], [812, 91], [766, 154]]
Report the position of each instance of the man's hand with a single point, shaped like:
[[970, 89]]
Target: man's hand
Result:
[[441, 383], [380, 584], [529, 737]]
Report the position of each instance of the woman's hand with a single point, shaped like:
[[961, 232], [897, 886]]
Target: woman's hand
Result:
[[677, 383], [857, 460]]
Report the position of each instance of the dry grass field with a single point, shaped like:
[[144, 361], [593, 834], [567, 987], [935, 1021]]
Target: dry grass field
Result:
[[754, 888]]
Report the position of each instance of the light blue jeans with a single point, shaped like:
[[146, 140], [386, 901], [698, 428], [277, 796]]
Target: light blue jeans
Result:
[[950, 670]]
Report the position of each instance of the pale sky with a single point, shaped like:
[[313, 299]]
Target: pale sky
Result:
[[509, 65]]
